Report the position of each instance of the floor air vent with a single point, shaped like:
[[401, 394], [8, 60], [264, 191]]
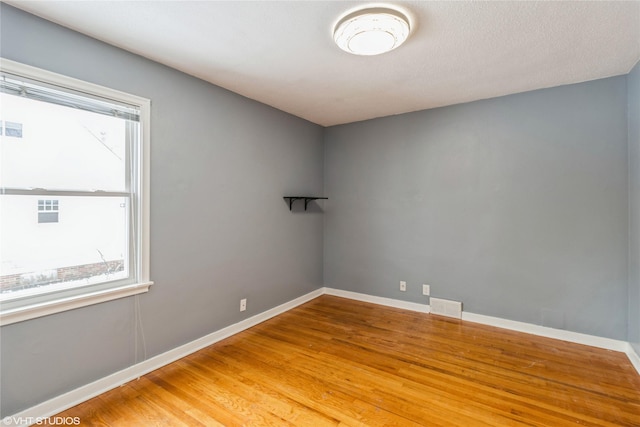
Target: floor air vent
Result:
[[445, 307]]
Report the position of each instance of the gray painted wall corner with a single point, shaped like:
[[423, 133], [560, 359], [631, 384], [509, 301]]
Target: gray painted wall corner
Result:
[[517, 206], [633, 89]]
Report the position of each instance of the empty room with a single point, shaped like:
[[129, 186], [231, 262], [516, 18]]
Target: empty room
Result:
[[320, 213]]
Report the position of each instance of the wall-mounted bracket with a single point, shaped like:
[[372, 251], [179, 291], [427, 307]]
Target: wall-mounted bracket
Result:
[[306, 199]]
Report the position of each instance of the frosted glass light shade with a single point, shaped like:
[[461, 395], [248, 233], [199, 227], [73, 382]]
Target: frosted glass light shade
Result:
[[371, 31]]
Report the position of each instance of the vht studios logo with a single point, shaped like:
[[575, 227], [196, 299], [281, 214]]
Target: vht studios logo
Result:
[[41, 421]]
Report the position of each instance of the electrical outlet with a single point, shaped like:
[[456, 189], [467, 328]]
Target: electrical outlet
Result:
[[426, 290], [403, 286], [243, 304]]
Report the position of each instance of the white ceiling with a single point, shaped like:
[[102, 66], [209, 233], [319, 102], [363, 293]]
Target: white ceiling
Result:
[[282, 53]]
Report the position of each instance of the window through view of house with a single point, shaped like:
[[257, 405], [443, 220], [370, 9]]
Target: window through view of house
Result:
[[47, 211], [11, 129], [66, 189]]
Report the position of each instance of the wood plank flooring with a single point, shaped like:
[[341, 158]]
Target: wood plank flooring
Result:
[[338, 362]]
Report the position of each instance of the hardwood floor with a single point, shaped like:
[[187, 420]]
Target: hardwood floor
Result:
[[335, 361]]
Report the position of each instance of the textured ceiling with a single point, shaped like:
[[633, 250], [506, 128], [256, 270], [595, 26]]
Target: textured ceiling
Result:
[[281, 53]]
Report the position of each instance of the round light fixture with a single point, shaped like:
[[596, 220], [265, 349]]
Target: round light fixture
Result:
[[371, 31]]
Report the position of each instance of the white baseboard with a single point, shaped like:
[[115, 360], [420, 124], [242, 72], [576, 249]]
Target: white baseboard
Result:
[[84, 393], [634, 358], [81, 394], [543, 331], [389, 302]]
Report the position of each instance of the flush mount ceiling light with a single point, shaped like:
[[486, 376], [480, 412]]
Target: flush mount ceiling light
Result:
[[371, 31]]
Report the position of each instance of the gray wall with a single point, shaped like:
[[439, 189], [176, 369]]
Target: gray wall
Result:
[[220, 230], [633, 88], [517, 206]]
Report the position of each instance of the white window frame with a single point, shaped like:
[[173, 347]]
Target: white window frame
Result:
[[38, 305]]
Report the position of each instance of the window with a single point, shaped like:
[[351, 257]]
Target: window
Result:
[[47, 211], [13, 129], [87, 150]]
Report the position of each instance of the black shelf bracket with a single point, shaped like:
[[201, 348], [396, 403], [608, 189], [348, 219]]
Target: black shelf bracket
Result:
[[306, 199]]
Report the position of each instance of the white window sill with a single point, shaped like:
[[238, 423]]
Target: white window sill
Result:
[[63, 304]]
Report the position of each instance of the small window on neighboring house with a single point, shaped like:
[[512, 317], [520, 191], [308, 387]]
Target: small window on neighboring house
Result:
[[47, 211], [13, 129]]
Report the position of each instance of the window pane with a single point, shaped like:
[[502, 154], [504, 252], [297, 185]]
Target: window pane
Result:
[[45, 217], [64, 148], [88, 244], [13, 129]]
